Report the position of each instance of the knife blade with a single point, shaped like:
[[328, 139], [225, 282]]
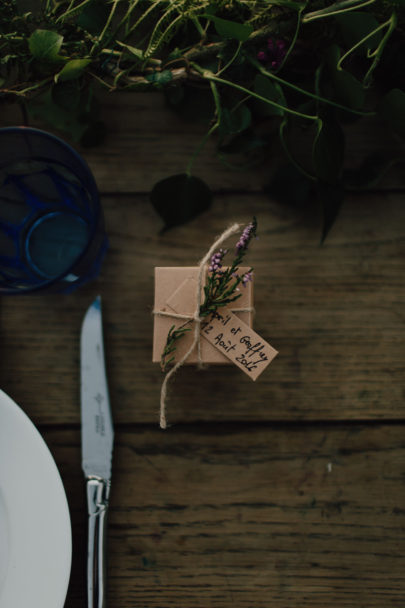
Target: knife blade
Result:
[[97, 447]]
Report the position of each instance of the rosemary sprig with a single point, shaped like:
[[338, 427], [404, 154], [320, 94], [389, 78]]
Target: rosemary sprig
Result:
[[172, 337]]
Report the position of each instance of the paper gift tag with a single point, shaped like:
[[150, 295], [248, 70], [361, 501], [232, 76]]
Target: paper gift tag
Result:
[[238, 342], [231, 336]]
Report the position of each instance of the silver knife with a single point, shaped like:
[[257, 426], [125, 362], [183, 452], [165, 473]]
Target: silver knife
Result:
[[97, 447]]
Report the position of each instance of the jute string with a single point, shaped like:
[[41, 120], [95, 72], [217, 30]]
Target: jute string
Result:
[[196, 342]]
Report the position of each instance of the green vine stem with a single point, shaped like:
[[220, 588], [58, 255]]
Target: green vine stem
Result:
[[294, 39], [329, 12], [106, 26], [72, 10], [210, 132], [390, 24], [265, 72], [230, 62], [200, 147], [291, 158], [208, 75]]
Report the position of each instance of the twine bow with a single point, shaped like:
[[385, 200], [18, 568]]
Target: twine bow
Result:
[[193, 317]]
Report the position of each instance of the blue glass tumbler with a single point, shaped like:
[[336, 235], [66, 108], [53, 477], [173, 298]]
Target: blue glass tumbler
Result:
[[52, 235]]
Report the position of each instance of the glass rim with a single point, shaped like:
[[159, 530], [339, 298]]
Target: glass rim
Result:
[[94, 195]]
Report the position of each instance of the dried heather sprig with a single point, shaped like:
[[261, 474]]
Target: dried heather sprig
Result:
[[216, 261], [246, 236], [222, 287]]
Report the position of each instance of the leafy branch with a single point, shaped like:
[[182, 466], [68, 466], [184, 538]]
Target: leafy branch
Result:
[[299, 70]]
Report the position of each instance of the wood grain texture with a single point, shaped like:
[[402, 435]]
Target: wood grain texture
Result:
[[273, 494], [147, 141], [334, 313], [247, 516]]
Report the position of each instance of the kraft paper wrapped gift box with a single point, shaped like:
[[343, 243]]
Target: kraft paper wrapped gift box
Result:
[[175, 291]]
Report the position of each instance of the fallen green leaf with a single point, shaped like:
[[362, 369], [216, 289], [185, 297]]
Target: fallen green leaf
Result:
[[331, 199], [180, 198]]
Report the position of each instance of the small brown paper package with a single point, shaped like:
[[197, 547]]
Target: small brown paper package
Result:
[[175, 292]]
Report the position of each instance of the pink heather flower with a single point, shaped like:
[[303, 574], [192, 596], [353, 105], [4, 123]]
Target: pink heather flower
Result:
[[262, 56], [245, 237], [246, 278], [216, 260]]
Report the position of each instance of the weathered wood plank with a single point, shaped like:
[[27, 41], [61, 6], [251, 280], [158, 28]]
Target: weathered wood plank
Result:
[[146, 141], [335, 313], [225, 516]]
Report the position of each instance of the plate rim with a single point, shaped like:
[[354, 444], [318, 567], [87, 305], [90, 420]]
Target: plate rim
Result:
[[8, 407]]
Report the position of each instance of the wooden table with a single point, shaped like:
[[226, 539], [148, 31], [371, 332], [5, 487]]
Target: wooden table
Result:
[[285, 493]]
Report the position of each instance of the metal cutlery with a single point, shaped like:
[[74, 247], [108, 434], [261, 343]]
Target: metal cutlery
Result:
[[97, 448]]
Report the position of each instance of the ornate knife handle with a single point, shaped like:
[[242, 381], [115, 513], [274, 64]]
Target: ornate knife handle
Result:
[[98, 491]]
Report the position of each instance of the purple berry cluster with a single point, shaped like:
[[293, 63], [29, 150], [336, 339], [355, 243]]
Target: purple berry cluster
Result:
[[274, 55]]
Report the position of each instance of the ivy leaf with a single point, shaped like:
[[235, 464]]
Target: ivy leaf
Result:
[[230, 29], [331, 199], [180, 198], [45, 45], [289, 187], [72, 69], [348, 90], [356, 25], [69, 109], [94, 16], [234, 121], [44, 109], [331, 56], [392, 110], [192, 103], [328, 151], [272, 91]]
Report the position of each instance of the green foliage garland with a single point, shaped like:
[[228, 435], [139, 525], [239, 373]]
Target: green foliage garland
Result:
[[270, 68]]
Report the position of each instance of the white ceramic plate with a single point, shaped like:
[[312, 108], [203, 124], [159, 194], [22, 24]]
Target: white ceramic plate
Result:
[[35, 530]]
